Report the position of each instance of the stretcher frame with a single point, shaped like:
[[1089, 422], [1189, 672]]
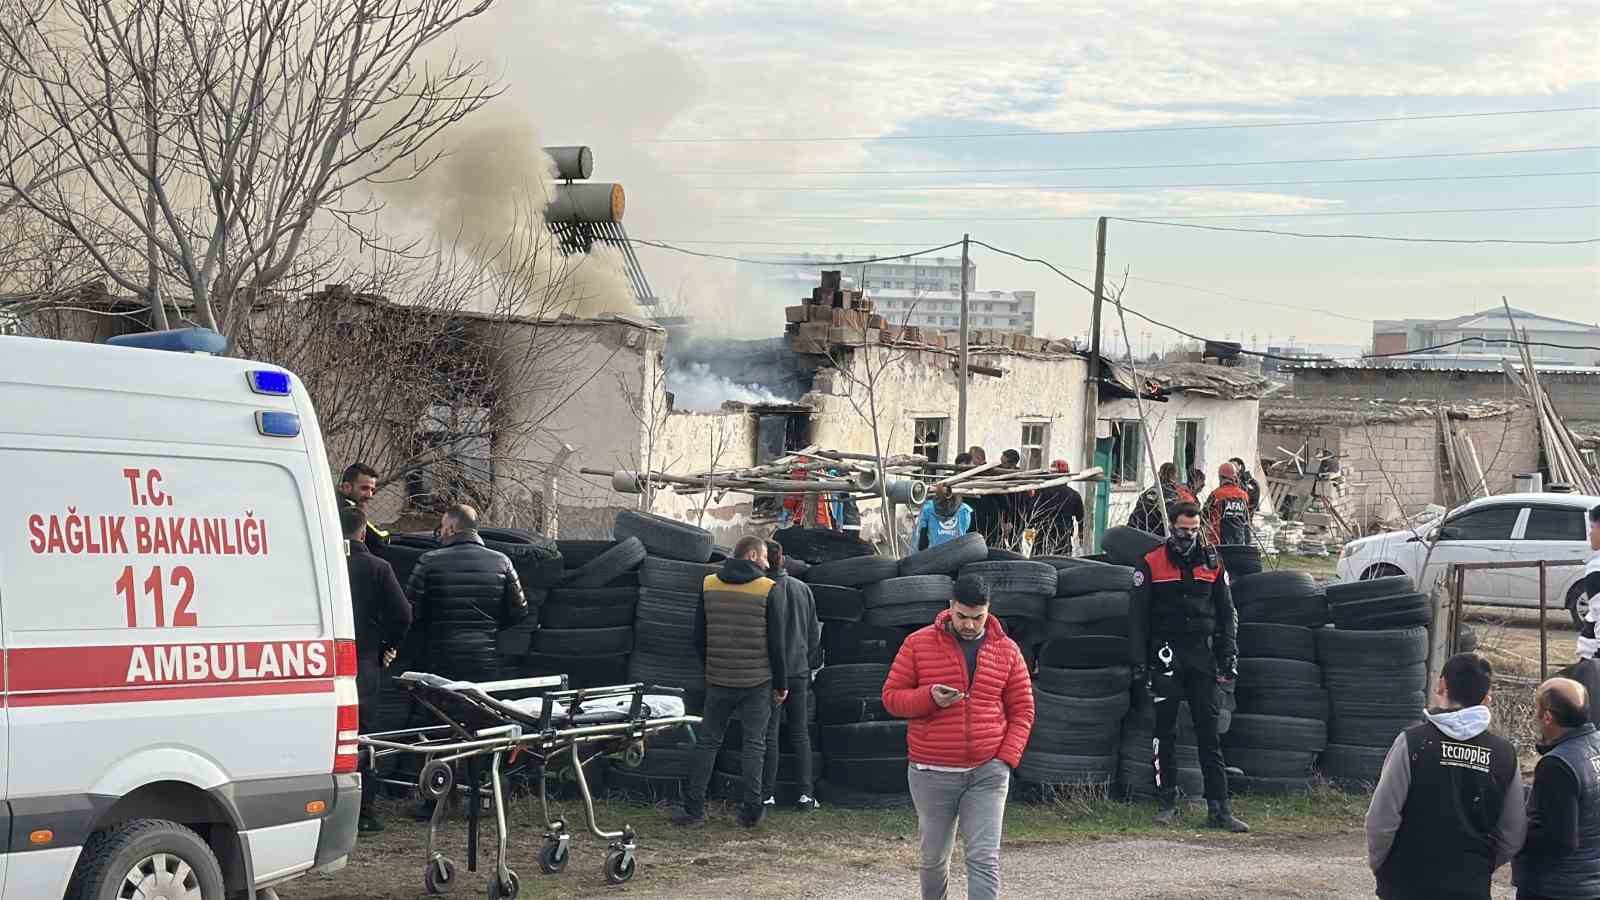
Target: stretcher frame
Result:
[[476, 723]]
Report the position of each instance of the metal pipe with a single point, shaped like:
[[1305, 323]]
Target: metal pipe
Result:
[[1544, 635], [961, 402], [588, 801]]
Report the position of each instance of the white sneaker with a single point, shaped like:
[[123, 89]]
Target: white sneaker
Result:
[[770, 801], [807, 803]]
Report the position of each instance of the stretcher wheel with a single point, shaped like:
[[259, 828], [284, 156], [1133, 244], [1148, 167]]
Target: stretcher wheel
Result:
[[619, 867], [504, 888], [553, 856], [440, 876], [436, 780]]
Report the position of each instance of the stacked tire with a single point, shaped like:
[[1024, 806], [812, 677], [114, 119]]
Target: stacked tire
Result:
[[1281, 720], [1077, 725], [1375, 681], [585, 630], [1020, 591], [863, 747], [1282, 597]]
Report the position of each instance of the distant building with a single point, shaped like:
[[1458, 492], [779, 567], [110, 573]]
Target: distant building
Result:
[[1401, 335], [924, 291]]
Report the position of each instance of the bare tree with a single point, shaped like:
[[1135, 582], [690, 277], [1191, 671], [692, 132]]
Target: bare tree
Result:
[[650, 409], [191, 150]]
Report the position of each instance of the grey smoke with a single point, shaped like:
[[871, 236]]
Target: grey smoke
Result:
[[695, 387]]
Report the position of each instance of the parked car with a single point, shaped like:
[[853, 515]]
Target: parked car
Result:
[[1502, 528]]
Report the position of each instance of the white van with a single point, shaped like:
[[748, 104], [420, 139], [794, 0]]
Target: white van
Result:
[[179, 660]]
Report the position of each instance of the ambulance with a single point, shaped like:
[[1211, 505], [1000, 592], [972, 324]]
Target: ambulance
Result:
[[179, 691]]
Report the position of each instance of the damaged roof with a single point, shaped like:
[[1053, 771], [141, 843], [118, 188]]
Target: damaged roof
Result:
[[1299, 411], [1224, 382]]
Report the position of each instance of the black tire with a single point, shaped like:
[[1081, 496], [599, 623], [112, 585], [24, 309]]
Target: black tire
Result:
[[947, 558], [1039, 767], [836, 603], [662, 536], [1385, 704], [1370, 588], [1115, 627], [108, 856], [675, 671], [1280, 672], [581, 671], [1342, 648], [621, 559], [1128, 546], [1369, 682], [1016, 587], [858, 681], [1102, 682], [1096, 651], [846, 797], [1350, 766], [864, 740], [1370, 732], [1001, 554], [1278, 733], [664, 621], [1259, 763], [844, 712], [1089, 607], [1373, 615], [856, 571], [911, 589], [1251, 785], [887, 774], [518, 639], [1298, 701], [1069, 562], [1274, 585], [588, 608], [1060, 709], [820, 545], [904, 615], [1264, 640], [577, 554], [843, 644], [1092, 578], [404, 550], [581, 643], [674, 574], [796, 568]]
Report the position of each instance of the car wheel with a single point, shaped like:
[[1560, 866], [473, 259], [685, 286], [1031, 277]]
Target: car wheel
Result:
[[1577, 605], [1381, 570]]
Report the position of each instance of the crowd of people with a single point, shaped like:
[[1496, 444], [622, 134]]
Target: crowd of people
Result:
[[1449, 809], [1052, 517]]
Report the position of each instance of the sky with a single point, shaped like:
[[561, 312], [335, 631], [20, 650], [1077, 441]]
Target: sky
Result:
[[750, 128]]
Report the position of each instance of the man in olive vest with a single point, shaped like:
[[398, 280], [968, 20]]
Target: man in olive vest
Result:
[[1448, 809], [740, 631], [1561, 858]]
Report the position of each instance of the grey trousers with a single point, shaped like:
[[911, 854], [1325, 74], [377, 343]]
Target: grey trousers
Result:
[[976, 801]]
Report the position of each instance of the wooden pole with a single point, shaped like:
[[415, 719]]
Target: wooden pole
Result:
[[1091, 398], [961, 414], [1544, 635]]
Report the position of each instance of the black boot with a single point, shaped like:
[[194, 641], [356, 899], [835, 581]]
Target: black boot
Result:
[[1219, 816], [1167, 809]]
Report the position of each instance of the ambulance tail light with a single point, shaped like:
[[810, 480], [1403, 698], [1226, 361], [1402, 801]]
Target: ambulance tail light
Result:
[[346, 752]]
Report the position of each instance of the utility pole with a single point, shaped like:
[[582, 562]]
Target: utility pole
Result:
[[1091, 406], [961, 414]]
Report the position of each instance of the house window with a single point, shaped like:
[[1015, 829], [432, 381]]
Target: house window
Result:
[[1035, 444], [1126, 450], [463, 470], [927, 439], [1186, 446]]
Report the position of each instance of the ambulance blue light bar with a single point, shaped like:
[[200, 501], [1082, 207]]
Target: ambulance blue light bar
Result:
[[178, 340], [268, 381], [277, 424]]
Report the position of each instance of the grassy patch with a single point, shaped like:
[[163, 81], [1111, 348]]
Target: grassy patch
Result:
[[1321, 568]]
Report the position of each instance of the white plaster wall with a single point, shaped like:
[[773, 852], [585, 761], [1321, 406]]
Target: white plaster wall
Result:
[[1231, 428], [696, 442]]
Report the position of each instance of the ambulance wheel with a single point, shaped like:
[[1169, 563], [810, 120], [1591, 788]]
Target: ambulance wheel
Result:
[[440, 876], [553, 856], [619, 867], [436, 780], [504, 888], [152, 857]]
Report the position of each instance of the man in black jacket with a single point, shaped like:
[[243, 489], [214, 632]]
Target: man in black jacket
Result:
[[739, 630], [356, 488], [462, 595], [1183, 642], [1448, 808], [1251, 486], [1146, 515], [1560, 860], [802, 656], [382, 618]]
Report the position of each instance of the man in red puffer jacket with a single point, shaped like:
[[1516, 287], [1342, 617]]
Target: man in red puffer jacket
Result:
[[964, 687]]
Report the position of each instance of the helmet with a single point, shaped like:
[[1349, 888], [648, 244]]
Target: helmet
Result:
[[1227, 470]]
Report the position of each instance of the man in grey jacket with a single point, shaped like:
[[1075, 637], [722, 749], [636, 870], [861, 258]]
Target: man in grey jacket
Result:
[[802, 656], [1449, 806]]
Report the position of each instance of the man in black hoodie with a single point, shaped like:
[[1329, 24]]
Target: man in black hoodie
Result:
[[739, 630], [802, 656], [383, 615]]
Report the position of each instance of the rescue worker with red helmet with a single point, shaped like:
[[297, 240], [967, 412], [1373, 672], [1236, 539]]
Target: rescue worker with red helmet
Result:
[[1227, 510], [1183, 642]]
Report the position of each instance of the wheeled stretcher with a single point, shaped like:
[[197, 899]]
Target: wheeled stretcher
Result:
[[559, 725]]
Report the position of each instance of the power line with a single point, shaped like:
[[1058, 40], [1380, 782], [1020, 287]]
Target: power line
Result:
[[772, 217], [779, 262], [1357, 237], [1124, 168], [922, 188], [1230, 126]]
